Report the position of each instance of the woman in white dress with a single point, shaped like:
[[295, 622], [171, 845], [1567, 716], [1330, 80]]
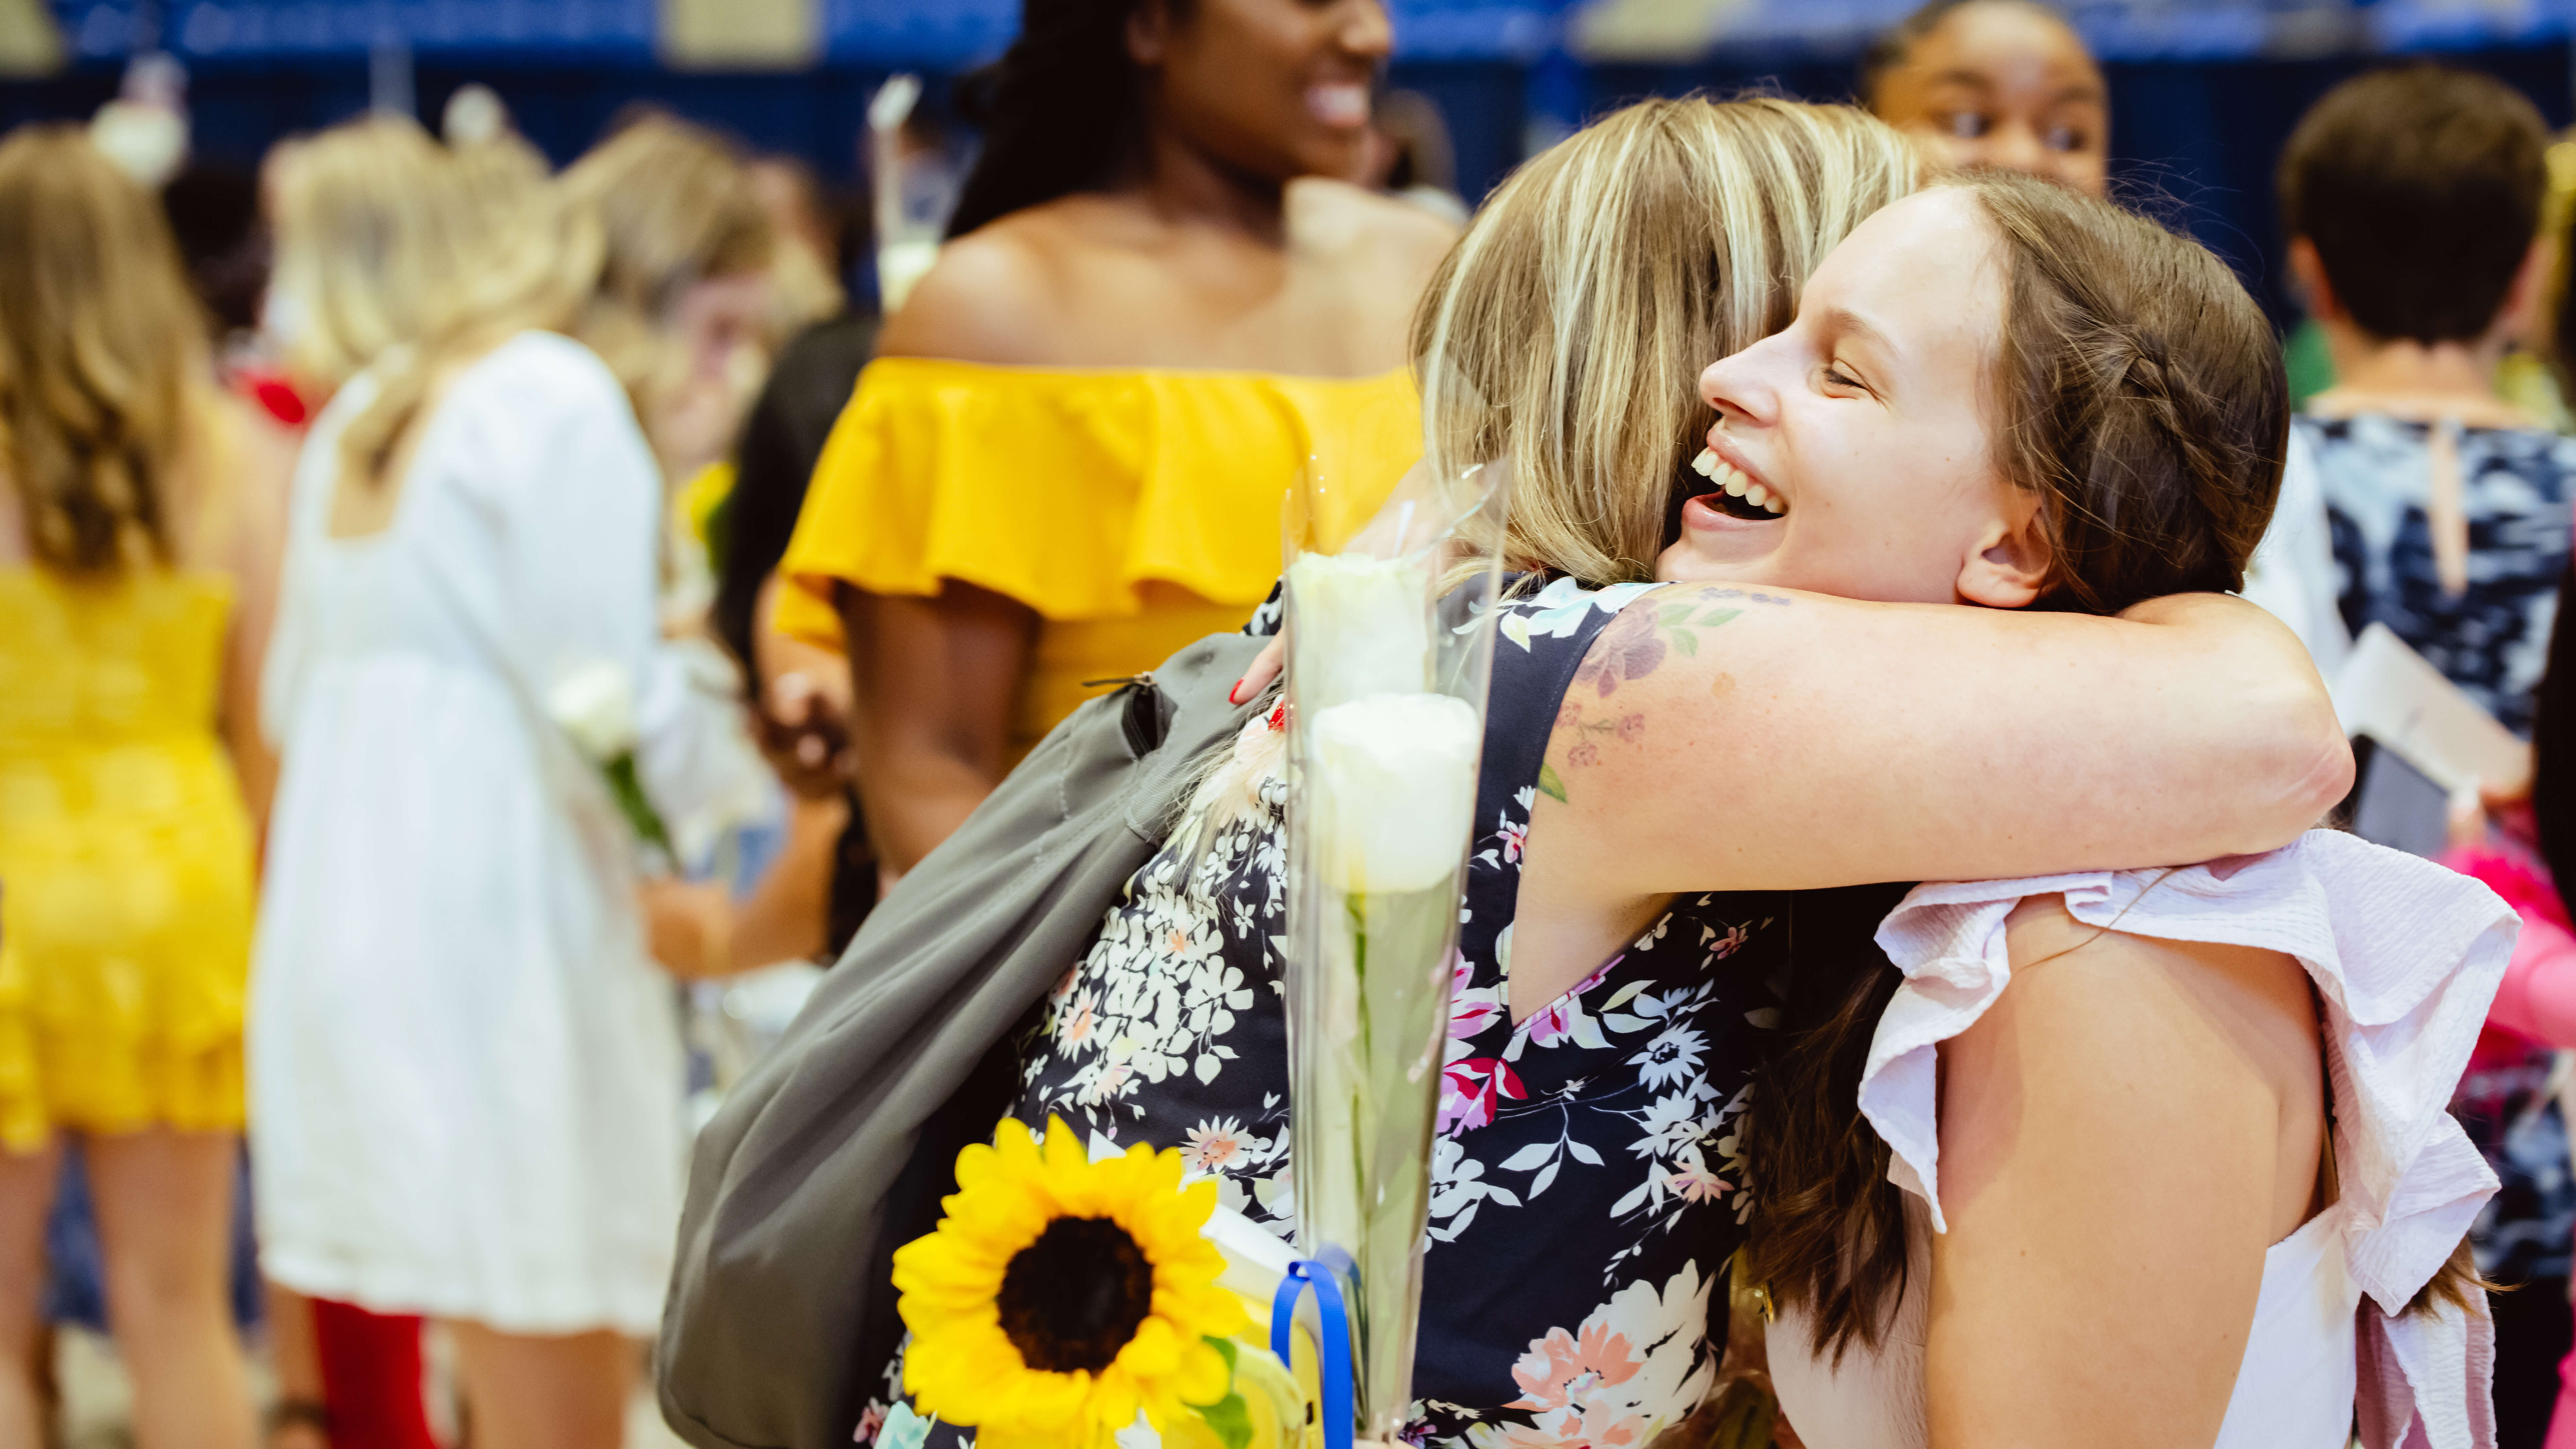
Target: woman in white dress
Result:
[[2189, 1180], [466, 1072]]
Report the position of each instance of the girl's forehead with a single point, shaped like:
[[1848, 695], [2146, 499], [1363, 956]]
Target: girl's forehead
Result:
[[1938, 237]]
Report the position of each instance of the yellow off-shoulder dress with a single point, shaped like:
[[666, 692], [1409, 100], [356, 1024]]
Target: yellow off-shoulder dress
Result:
[[126, 871], [1133, 510]]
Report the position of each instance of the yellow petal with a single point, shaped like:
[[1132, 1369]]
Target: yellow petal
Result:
[[1202, 1377]]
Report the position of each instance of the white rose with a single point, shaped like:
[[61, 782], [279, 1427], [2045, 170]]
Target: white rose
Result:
[[595, 704], [1393, 790], [1363, 627]]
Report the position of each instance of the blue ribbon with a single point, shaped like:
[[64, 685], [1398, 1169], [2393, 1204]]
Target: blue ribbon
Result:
[[1339, 1410]]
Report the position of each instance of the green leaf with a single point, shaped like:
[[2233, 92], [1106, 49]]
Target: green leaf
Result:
[[1715, 617], [1231, 1418], [1672, 614], [1687, 642], [1549, 784]]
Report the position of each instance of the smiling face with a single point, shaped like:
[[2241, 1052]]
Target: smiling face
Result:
[[1277, 88], [1851, 451], [1997, 83]]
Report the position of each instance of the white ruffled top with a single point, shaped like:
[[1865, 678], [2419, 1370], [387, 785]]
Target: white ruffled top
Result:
[[2405, 956]]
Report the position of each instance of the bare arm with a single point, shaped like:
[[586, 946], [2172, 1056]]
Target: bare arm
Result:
[[1721, 737], [934, 681], [697, 930], [253, 550], [2123, 1135]]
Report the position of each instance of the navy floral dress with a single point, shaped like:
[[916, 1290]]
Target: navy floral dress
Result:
[[1587, 1180], [2492, 640], [2516, 488]]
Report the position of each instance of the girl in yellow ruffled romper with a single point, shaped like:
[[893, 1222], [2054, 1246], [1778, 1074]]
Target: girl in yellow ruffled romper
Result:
[[1154, 317], [137, 514]]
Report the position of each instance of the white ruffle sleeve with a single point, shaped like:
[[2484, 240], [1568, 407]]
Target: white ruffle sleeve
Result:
[[2405, 955]]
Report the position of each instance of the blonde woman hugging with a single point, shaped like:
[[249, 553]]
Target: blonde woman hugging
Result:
[[2149, 1157], [1996, 394]]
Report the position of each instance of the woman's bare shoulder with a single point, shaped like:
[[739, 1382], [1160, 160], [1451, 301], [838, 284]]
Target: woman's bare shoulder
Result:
[[232, 485], [1324, 212], [1369, 232], [2043, 932], [992, 296], [2183, 1021]]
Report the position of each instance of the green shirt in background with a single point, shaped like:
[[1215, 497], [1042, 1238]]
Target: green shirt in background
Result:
[[2521, 378], [2310, 365]]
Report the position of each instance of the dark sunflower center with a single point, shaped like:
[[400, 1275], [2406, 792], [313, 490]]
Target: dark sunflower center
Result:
[[1073, 1298]]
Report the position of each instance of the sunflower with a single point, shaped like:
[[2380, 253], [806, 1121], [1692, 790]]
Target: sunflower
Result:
[[1061, 1295]]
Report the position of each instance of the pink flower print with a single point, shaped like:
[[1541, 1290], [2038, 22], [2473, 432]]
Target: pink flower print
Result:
[[1553, 1023], [1514, 835], [1697, 1184], [1079, 1020], [1566, 717], [1629, 649], [1112, 1077], [1215, 1146], [1603, 1426], [1607, 1426], [1563, 1018], [1470, 1010], [1470, 1090], [1632, 728], [1730, 943], [870, 1422], [1563, 1371], [1586, 753]]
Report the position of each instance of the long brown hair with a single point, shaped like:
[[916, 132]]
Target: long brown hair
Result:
[[102, 351], [2139, 391]]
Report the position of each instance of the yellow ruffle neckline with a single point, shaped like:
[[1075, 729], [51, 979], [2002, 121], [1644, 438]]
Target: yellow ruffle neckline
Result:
[[1075, 491]]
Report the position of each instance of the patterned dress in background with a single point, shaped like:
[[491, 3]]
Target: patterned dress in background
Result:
[[1586, 1181], [2516, 487], [2493, 641]]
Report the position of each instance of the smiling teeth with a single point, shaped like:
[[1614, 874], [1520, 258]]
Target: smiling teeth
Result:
[[1716, 470]]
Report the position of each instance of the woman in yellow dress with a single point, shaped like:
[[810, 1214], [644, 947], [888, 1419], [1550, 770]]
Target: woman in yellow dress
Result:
[[138, 517], [1156, 313]]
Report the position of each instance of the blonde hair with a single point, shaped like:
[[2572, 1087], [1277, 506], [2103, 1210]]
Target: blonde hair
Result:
[[661, 205], [102, 355], [377, 227], [1567, 329], [599, 254]]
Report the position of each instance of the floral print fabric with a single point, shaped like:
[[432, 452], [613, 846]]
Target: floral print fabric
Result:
[[1587, 1183], [2493, 642], [2516, 488]]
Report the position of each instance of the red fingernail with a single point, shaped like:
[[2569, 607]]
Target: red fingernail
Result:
[[1235, 695]]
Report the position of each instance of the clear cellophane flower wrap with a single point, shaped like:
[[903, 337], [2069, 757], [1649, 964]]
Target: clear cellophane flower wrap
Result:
[[1390, 642]]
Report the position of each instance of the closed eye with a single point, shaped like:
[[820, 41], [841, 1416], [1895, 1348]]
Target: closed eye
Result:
[[1834, 374]]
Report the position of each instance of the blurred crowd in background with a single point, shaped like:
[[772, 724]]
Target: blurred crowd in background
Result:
[[331, 462]]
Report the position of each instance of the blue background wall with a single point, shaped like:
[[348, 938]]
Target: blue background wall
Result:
[[2199, 110]]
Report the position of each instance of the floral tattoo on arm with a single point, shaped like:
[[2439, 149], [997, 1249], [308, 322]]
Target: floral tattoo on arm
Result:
[[1635, 645]]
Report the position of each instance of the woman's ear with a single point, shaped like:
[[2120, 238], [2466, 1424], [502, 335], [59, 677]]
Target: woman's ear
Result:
[[2008, 566], [1149, 32], [2514, 321], [2308, 279]]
